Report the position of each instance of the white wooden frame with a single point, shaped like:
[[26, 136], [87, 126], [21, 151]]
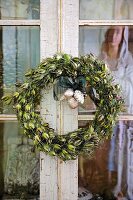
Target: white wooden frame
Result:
[[19, 22], [58, 179], [105, 22]]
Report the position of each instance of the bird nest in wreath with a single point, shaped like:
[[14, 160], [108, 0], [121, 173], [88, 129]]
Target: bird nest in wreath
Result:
[[69, 74]]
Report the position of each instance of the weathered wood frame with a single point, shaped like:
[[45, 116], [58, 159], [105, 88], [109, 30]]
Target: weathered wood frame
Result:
[[58, 179]]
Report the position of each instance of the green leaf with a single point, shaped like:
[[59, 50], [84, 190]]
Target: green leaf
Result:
[[45, 135], [25, 85], [20, 113], [52, 153], [72, 135], [37, 138], [26, 125], [46, 147], [16, 94], [31, 125], [91, 129], [26, 116], [71, 147], [67, 58], [33, 92], [28, 107], [77, 142], [18, 106], [23, 100], [64, 152], [7, 99], [35, 142], [57, 147]]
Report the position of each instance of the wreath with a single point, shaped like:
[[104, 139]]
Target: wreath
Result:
[[102, 90]]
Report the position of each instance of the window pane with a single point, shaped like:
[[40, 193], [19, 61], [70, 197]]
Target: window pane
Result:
[[113, 45], [106, 10], [108, 174], [19, 48], [24, 9], [19, 164]]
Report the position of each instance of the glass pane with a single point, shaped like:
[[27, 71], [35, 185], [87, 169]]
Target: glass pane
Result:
[[24, 9], [20, 50], [113, 45], [106, 10], [19, 164], [108, 174]]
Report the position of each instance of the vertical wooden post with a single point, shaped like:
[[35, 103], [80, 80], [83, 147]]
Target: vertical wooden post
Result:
[[59, 32]]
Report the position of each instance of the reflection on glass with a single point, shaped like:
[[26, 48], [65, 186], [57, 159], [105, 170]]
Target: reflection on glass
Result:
[[23, 9], [106, 10], [111, 44], [19, 164], [19, 51], [109, 173]]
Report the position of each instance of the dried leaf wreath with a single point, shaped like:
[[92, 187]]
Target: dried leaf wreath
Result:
[[83, 140]]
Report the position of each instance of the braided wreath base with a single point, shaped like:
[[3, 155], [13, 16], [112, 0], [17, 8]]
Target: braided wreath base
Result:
[[83, 140]]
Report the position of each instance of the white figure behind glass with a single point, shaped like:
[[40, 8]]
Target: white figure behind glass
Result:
[[115, 53]]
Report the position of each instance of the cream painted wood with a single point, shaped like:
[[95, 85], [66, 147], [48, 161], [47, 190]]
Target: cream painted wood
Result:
[[19, 22], [70, 26], [48, 47], [48, 28], [87, 117], [48, 165], [105, 22], [68, 120], [58, 179]]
